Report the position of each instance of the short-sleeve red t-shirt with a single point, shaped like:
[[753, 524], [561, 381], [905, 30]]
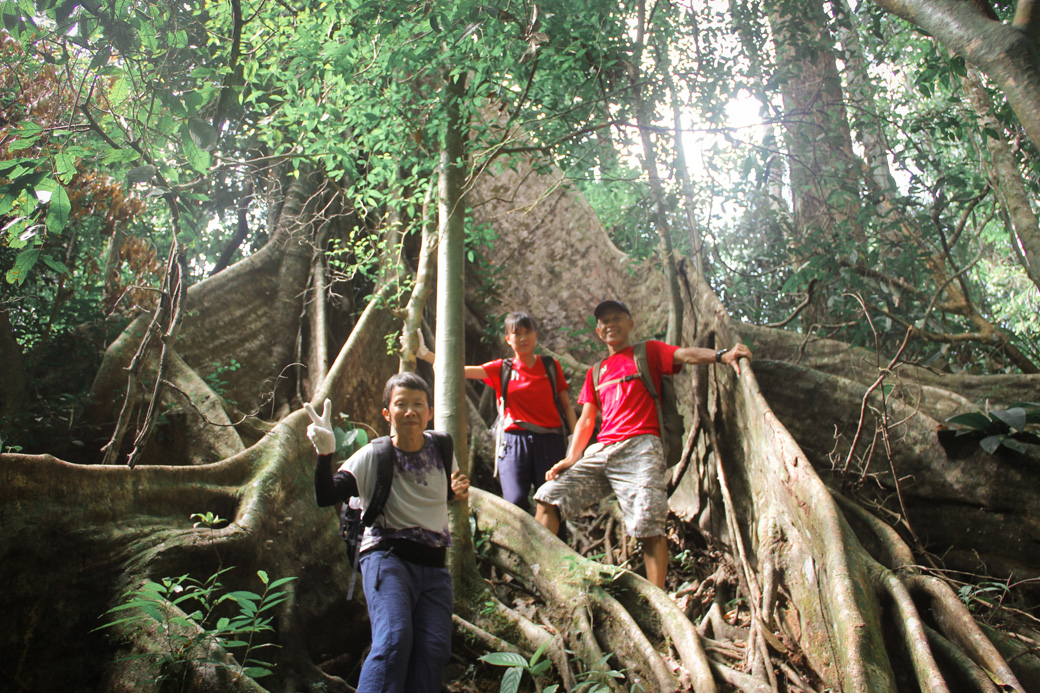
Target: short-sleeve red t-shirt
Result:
[[626, 407], [530, 393]]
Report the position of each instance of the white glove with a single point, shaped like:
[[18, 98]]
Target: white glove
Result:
[[320, 429], [421, 352]]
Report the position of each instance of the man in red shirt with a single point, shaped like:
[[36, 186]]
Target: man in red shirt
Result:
[[628, 458]]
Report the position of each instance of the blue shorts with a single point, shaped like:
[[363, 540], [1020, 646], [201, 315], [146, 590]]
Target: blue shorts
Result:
[[526, 457]]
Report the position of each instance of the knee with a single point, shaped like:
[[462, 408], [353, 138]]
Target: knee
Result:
[[547, 509], [389, 639], [547, 514]]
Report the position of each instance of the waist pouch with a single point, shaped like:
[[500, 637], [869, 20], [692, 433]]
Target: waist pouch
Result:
[[413, 552]]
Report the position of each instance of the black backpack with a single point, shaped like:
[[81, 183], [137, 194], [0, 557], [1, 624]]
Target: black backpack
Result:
[[352, 522], [669, 418]]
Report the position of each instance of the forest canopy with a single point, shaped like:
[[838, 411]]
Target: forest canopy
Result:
[[213, 213]]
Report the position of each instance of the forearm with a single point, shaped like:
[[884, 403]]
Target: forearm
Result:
[[332, 487], [471, 372], [700, 356], [694, 356], [583, 429]]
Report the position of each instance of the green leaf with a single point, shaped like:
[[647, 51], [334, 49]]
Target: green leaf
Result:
[[120, 91], [991, 443], [13, 164], [20, 144], [140, 174], [65, 165], [59, 211], [198, 159], [504, 659], [1032, 410], [1015, 418], [1015, 445], [22, 264], [274, 601], [243, 597], [57, 266], [279, 582], [153, 610], [102, 56], [262, 574], [974, 420], [202, 134], [511, 680], [539, 652], [28, 131]]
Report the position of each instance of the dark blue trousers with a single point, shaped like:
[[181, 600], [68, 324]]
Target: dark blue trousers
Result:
[[409, 606]]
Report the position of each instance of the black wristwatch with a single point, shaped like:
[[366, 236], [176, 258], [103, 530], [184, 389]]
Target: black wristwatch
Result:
[[718, 355]]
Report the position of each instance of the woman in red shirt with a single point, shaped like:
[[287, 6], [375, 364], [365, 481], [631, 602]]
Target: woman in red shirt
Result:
[[534, 438]]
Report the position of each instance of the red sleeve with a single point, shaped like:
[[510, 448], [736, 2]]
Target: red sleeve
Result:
[[494, 375], [661, 357], [588, 393]]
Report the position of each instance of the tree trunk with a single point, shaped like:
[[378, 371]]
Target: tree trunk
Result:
[[12, 373], [825, 173], [658, 215]]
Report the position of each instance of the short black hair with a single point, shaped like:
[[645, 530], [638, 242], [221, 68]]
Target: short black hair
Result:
[[407, 381], [519, 319]]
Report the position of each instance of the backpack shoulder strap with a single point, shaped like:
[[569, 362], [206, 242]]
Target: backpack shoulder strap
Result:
[[505, 375], [550, 365], [596, 368], [384, 452], [446, 446], [643, 365]]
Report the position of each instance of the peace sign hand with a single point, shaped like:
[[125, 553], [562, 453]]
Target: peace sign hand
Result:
[[320, 429]]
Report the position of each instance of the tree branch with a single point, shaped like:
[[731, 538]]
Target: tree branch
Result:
[[1007, 53]]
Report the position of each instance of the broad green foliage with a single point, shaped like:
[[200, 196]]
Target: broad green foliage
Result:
[[189, 616], [180, 102], [1001, 427], [598, 679], [947, 223]]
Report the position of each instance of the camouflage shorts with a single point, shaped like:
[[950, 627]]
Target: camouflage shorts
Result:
[[632, 469]]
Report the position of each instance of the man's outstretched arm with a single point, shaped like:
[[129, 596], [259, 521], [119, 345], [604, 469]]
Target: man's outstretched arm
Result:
[[699, 356]]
